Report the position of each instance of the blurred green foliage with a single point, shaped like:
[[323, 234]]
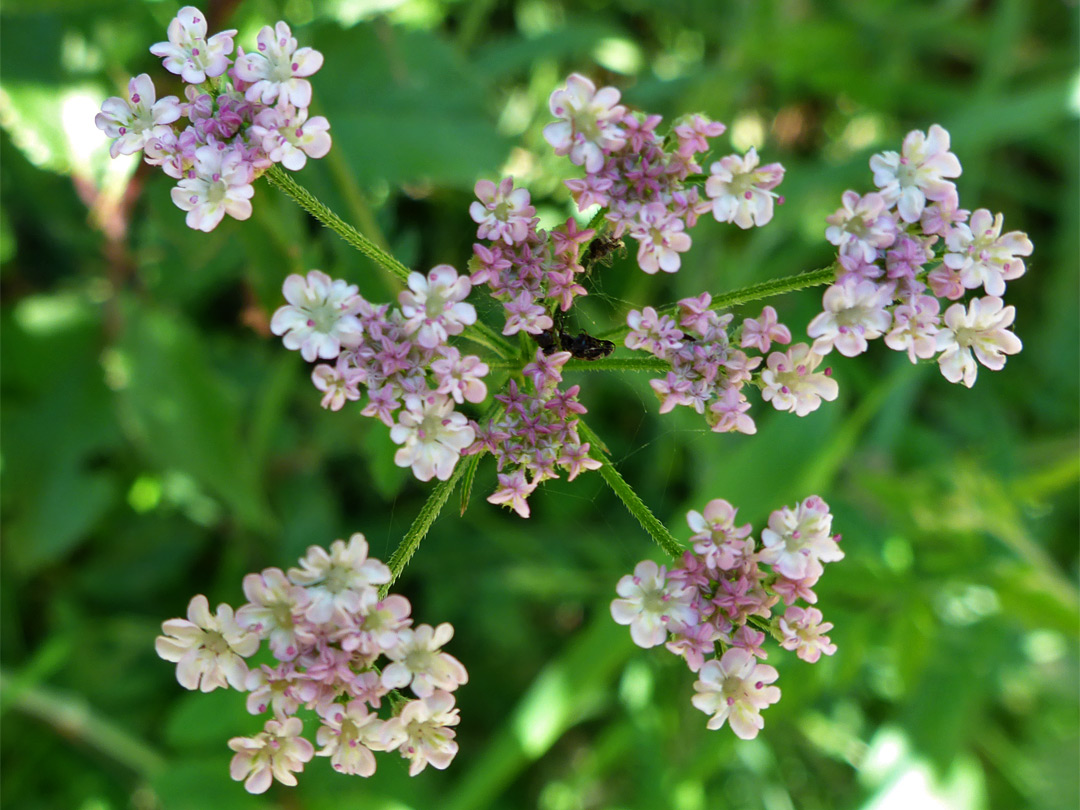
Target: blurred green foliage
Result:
[[157, 442]]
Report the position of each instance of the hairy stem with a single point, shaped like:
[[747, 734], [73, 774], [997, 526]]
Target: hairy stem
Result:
[[649, 522], [744, 295]]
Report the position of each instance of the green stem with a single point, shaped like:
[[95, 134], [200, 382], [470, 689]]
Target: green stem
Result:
[[649, 522], [306, 200], [421, 525], [744, 295], [72, 718], [652, 364]]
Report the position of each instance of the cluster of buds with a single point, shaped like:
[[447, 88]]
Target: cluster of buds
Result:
[[239, 116], [709, 367], [400, 355], [715, 608], [327, 628], [645, 181], [532, 272], [535, 435], [907, 246]]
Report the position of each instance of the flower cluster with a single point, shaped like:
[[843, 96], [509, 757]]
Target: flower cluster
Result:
[[709, 367], [907, 246], [643, 179], [399, 355], [326, 627], [722, 597], [535, 435], [239, 116]]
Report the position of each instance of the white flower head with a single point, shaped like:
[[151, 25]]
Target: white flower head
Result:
[[276, 611], [320, 317], [137, 119], [649, 603], [917, 173], [277, 68], [589, 127], [861, 226], [661, 238], [422, 732], [432, 435], [734, 690], [221, 185], [854, 312], [797, 541], [982, 329], [503, 212], [289, 137], [347, 735], [418, 661], [208, 649], [741, 191], [336, 580], [189, 53], [791, 384], [434, 307], [982, 256], [277, 752]]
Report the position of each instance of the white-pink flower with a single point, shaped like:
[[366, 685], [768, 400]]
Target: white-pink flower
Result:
[[208, 649], [189, 53], [422, 732], [221, 185], [525, 315], [861, 226], [432, 435], [336, 580], [741, 191], [381, 623], [982, 256], [274, 753], [589, 127], [419, 663], [434, 307], [275, 610], [277, 68], [661, 238], [734, 690], [138, 118], [791, 384], [804, 631], [347, 735], [761, 332], [797, 541], [648, 604], [721, 544], [982, 329], [915, 327], [854, 312], [503, 211], [513, 491], [320, 317], [338, 383], [289, 137], [917, 173]]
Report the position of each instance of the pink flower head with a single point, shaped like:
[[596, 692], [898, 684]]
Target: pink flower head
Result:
[[741, 192], [434, 307], [694, 131], [915, 328], [419, 663], [276, 610], [221, 185], [588, 126], [760, 333], [918, 173], [733, 690], [804, 631], [513, 491], [661, 238], [460, 377], [982, 256], [982, 329], [422, 732], [336, 580], [693, 642], [188, 53], [525, 315], [432, 435], [381, 622], [137, 119], [277, 68], [208, 648], [320, 317], [855, 312], [797, 541], [716, 538], [338, 383], [791, 384], [276, 752], [503, 211], [288, 137], [861, 226], [648, 604], [652, 332], [727, 413]]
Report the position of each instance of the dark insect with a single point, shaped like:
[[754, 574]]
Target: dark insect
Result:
[[601, 250], [583, 347]]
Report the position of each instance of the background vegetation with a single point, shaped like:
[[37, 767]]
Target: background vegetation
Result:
[[158, 442]]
